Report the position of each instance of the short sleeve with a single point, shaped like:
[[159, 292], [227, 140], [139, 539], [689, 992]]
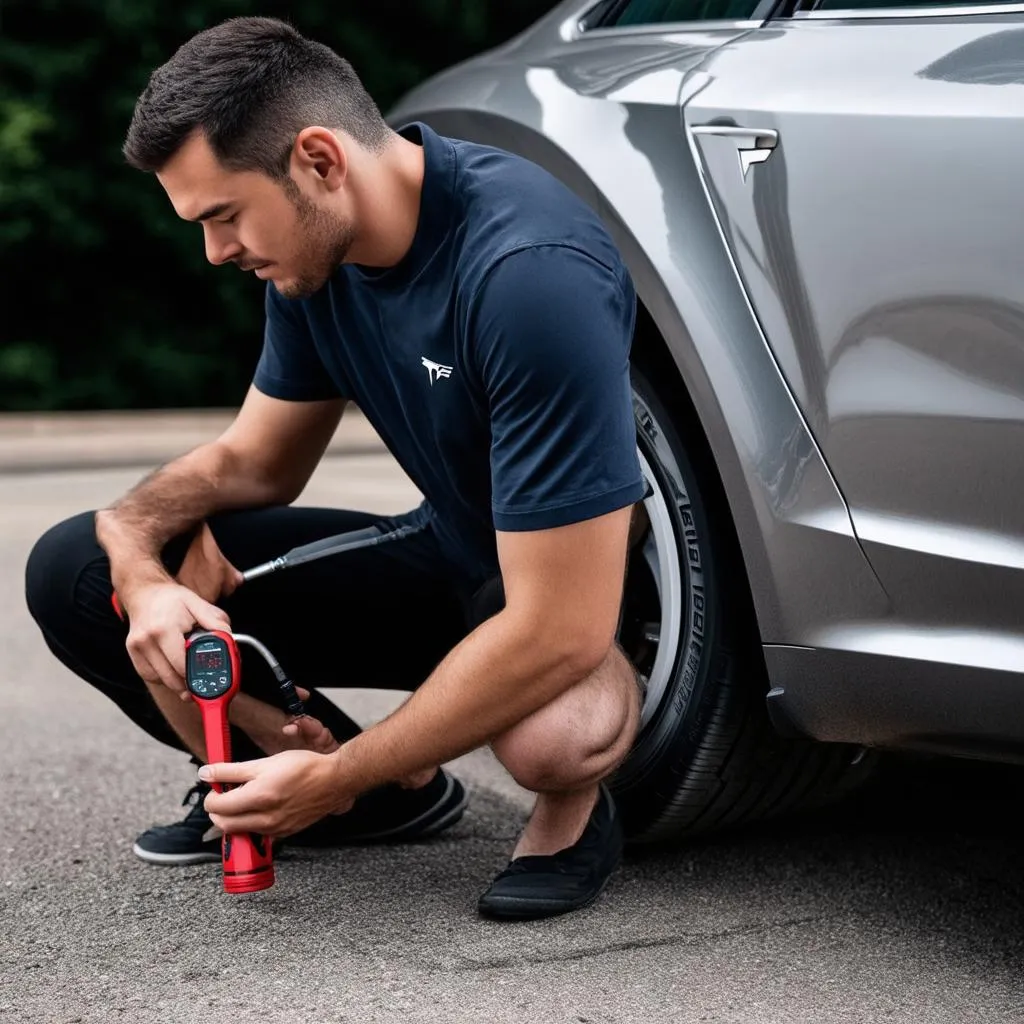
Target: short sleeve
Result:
[[290, 367], [551, 330]]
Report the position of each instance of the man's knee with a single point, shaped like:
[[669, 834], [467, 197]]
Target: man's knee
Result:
[[55, 566], [576, 740]]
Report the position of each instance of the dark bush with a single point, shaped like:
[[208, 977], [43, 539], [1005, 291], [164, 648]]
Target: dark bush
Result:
[[107, 299]]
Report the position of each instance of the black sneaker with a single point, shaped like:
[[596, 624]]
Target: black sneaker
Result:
[[391, 814], [388, 814], [191, 841], [532, 887]]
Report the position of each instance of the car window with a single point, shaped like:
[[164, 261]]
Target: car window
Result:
[[655, 12]]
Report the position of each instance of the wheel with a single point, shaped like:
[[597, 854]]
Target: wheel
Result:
[[706, 755]]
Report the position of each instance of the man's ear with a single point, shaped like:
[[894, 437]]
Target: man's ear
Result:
[[319, 154]]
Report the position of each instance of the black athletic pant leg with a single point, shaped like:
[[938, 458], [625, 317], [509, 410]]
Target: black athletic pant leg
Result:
[[380, 617]]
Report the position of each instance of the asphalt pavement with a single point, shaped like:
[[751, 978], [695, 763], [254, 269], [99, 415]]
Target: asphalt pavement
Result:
[[904, 905]]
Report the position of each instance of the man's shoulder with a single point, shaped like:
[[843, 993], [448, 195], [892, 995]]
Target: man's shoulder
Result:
[[511, 206]]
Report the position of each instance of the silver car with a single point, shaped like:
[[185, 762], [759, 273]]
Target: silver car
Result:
[[820, 203]]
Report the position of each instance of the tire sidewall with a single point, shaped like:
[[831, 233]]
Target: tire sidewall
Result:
[[657, 763]]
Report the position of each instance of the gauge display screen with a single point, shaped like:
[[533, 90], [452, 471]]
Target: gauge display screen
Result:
[[213, 661], [209, 669]]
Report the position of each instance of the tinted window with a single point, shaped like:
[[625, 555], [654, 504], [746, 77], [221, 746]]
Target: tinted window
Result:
[[655, 12]]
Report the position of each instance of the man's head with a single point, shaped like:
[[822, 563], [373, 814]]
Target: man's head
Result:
[[250, 129]]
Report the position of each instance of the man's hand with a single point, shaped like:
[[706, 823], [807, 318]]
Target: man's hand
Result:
[[205, 570], [274, 730], [161, 615], [278, 795], [308, 733]]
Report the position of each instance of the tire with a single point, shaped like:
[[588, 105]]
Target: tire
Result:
[[706, 756]]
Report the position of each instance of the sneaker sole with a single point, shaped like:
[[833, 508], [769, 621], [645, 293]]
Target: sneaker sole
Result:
[[173, 859], [415, 829], [433, 820], [448, 819]]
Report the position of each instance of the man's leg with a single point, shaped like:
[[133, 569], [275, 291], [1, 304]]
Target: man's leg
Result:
[[332, 623], [573, 840], [563, 751], [68, 590]]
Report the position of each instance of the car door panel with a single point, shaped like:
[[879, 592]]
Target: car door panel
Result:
[[880, 244]]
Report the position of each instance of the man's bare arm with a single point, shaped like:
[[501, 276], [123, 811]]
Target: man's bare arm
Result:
[[563, 588], [563, 591], [265, 457]]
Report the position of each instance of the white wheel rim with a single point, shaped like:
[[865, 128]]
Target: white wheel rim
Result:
[[661, 551]]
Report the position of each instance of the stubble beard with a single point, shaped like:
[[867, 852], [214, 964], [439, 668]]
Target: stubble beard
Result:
[[327, 241]]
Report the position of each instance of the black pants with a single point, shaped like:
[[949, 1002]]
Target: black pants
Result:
[[381, 617]]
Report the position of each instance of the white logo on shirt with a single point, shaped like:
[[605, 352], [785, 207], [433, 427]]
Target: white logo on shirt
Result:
[[436, 370]]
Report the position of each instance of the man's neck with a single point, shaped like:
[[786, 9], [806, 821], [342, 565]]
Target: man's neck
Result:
[[389, 190]]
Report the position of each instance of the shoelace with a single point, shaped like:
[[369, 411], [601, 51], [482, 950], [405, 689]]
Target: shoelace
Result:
[[199, 791]]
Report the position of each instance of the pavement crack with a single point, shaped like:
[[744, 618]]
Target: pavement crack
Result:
[[466, 963]]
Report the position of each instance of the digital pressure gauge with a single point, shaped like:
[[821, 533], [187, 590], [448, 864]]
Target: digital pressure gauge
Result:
[[213, 673], [210, 669]]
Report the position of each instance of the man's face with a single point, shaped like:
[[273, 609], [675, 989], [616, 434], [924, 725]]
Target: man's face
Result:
[[260, 224]]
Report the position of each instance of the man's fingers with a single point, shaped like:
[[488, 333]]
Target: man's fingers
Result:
[[171, 658], [313, 734], [310, 728], [230, 771], [235, 823], [141, 664], [161, 670], [235, 802], [235, 578], [209, 616], [171, 677]]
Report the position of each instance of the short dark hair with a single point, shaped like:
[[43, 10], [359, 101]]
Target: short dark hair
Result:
[[250, 85]]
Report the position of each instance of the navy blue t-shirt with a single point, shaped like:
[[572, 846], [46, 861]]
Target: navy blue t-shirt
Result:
[[493, 360]]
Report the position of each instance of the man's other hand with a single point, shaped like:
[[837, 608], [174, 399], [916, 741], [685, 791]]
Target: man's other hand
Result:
[[276, 796], [161, 615], [205, 570], [308, 733]]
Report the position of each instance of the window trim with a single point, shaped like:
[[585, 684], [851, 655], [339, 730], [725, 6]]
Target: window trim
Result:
[[901, 13], [667, 28], [573, 29]]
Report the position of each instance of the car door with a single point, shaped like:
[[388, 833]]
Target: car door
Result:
[[865, 164]]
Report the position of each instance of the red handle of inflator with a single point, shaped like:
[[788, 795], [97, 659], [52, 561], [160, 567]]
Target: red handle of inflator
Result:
[[248, 858]]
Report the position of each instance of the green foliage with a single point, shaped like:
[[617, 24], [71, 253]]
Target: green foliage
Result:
[[107, 299]]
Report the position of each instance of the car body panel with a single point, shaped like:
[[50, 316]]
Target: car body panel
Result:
[[603, 111], [879, 248]]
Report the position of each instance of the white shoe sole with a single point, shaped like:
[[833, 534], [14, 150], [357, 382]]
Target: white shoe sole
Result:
[[174, 859]]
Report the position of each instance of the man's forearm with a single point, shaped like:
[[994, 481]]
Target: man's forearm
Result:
[[169, 502], [492, 680]]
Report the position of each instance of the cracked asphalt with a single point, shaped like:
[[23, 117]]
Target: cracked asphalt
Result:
[[904, 905]]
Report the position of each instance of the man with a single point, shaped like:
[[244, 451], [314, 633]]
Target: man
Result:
[[480, 316]]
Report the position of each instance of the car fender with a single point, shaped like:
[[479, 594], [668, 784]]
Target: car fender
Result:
[[803, 562]]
